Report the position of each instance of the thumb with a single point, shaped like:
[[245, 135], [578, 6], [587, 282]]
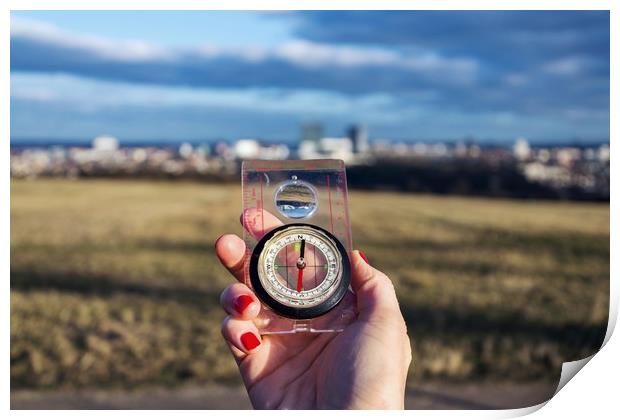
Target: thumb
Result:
[[374, 290]]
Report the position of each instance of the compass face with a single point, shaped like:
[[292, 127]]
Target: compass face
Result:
[[299, 270]]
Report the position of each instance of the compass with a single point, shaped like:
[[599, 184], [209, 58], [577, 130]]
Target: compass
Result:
[[300, 271]]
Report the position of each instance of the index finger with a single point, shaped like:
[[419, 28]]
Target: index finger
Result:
[[230, 249]]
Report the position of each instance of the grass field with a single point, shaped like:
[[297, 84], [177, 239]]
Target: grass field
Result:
[[115, 283]]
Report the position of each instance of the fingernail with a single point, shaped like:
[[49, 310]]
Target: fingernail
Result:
[[364, 257], [242, 302], [249, 341]]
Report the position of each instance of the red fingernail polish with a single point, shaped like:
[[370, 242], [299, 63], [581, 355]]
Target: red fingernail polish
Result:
[[364, 257], [242, 302], [249, 341]]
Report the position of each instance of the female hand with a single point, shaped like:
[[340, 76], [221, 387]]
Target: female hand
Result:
[[363, 367]]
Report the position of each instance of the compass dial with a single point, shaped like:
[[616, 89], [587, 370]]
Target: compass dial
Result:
[[299, 270]]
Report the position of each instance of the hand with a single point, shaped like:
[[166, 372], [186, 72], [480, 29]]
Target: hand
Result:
[[363, 367]]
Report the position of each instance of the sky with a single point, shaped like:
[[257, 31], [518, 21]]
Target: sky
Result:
[[406, 75]]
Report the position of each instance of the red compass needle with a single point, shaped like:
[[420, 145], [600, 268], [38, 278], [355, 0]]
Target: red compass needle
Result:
[[300, 276], [301, 264]]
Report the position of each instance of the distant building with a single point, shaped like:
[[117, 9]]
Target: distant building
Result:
[[308, 150], [567, 156], [604, 153], [359, 137], [521, 149], [247, 149], [337, 148], [460, 150], [544, 155], [275, 152], [590, 154], [552, 174], [203, 150], [327, 148], [139, 154], [185, 150], [419, 149], [312, 132], [105, 143], [224, 151], [253, 149], [439, 150], [474, 151]]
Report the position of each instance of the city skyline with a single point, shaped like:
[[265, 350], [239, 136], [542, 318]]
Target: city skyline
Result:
[[405, 75]]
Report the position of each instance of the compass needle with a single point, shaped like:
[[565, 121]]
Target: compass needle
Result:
[[300, 278], [301, 264]]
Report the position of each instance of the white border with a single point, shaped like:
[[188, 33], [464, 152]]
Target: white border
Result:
[[311, 5], [593, 394]]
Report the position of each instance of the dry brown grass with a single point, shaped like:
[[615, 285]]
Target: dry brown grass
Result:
[[116, 282]]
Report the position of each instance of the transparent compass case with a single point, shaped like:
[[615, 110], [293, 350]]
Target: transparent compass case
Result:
[[290, 192]]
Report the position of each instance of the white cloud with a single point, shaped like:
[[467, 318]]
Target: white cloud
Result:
[[93, 95], [125, 50], [297, 52], [315, 55], [310, 54], [567, 66]]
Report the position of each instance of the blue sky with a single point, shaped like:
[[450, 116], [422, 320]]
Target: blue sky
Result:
[[406, 75]]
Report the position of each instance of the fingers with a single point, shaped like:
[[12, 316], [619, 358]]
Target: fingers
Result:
[[374, 290], [258, 221], [230, 249], [242, 336], [240, 302]]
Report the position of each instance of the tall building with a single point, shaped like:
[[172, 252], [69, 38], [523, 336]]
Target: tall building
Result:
[[312, 132], [359, 137]]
